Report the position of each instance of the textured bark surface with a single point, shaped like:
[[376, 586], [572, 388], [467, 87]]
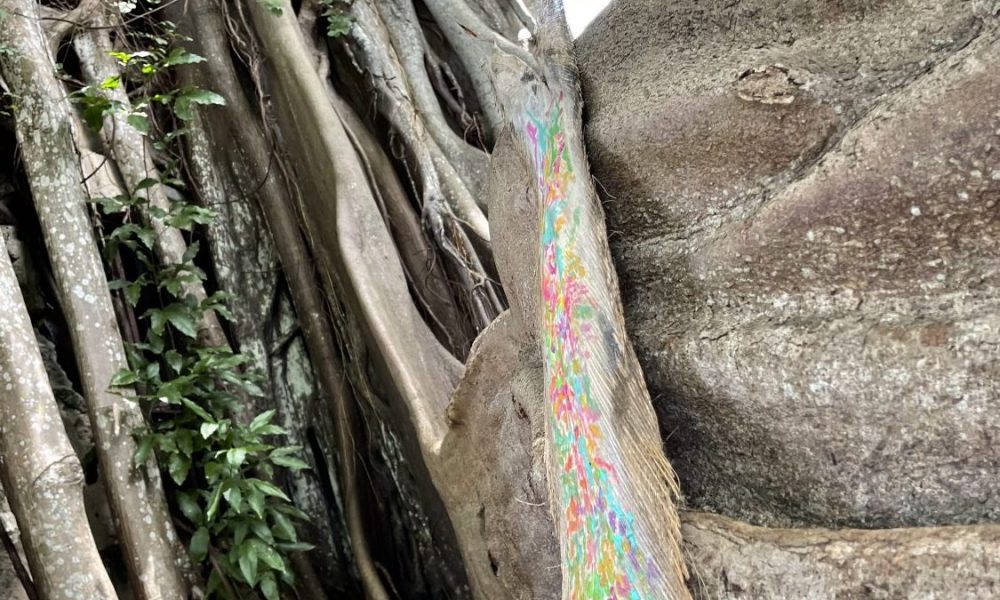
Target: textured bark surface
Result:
[[802, 205], [10, 586], [362, 279], [497, 442], [40, 471], [256, 228], [45, 139], [736, 560], [611, 488]]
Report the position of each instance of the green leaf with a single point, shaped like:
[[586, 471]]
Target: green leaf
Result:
[[145, 184], [338, 24], [113, 205], [236, 456], [139, 122], [290, 462], [124, 377], [213, 503], [133, 291], [121, 57], [179, 467], [143, 450], [185, 441], [180, 56], [234, 497], [111, 82], [296, 547], [178, 315], [271, 558], [207, 429], [292, 511], [269, 587], [156, 212], [188, 503], [129, 231], [182, 108], [262, 531], [240, 531], [174, 360], [248, 562], [274, 6], [93, 114], [262, 419], [256, 502], [283, 527], [176, 388], [199, 544], [286, 451], [212, 470], [201, 412], [152, 371], [166, 442], [269, 489], [271, 430], [200, 96], [186, 216], [184, 321], [188, 98], [191, 252]]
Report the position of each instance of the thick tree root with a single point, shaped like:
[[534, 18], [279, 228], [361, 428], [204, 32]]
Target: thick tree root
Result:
[[157, 562], [40, 471], [731, 559]]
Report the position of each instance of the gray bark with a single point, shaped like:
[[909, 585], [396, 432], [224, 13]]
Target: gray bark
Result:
[[255, 239], [45, 134], [815, 362], [130, 151], [736, 560], [40, 471]]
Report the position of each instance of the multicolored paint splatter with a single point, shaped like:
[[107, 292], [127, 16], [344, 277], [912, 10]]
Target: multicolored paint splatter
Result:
[[601, 556]]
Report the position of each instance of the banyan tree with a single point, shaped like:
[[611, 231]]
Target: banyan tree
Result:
[[427, 299]]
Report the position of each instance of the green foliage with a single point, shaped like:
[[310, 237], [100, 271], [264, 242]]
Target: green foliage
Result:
[[221, 468], [272, 5], [338, 19], [144, 66]]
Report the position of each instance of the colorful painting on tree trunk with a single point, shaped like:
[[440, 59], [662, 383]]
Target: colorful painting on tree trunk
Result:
[[600, 553]]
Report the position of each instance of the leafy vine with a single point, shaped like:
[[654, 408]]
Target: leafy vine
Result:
[[242, 525]]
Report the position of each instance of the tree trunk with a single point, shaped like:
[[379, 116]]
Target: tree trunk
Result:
[[157, 562], [391, 174], [40, 471]]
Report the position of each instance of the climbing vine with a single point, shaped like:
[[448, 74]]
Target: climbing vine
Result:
[[222, 467]]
